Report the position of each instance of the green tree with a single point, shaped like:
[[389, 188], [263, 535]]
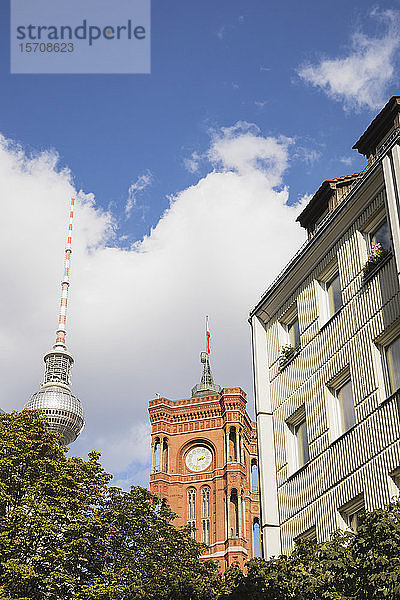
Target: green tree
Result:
[[65, 534], [376, 555], [145, 556]]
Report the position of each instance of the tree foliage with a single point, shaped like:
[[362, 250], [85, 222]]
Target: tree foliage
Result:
[[65, 534]]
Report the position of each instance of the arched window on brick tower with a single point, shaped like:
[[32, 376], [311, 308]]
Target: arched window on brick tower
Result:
[[232, 445], [191, 509], [165, 457], [254, 475], [242, 455], [234, 514], [205, 515], [156, 456], [256, 538]]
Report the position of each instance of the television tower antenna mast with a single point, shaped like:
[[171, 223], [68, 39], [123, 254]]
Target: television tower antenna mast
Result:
[[62, 408], [62, 318]]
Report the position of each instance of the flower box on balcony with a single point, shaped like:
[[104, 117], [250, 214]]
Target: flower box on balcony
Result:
[[288, 353], [378, 257]]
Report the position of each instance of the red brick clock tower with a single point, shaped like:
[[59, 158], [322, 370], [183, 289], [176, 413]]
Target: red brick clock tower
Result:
[[204, 463]]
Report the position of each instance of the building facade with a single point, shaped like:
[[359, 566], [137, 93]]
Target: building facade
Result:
[[326, 352], [204, 463]]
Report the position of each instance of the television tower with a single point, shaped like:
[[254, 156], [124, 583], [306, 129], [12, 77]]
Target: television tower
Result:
[[62, 408]]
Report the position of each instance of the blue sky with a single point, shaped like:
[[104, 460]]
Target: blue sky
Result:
[[314, 72], [213, 63]]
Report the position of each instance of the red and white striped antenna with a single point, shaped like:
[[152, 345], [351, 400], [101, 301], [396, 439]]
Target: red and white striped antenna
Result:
[[61, 331], [63, 409]]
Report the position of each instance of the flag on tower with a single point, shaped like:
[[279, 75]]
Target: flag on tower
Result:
[[208, 335]]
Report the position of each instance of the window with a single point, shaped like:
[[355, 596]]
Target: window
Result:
[[157, 456], [345, 416], [393, 365], [205, 515], [234, 514], [353, 520], [206, 531], [298, 448], [394, 483], [351, 512], [294, 333], [164, 457], [290, 324], [205, 502], [378, 246], [331, 299], [232, 445], [334, 300], [191, 510], [290, 336], [300, 432], [256, 538], [254, 475], [341, 404], [388, 368], [380, 235], [396, 479]]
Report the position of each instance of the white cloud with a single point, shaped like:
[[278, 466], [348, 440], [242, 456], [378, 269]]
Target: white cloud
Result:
[[305, 199], [141, 183], [346, 160], [221, 32], [242, 149], [308, 155], [361, 78], [192, 163], [136, 317], [134, 444]]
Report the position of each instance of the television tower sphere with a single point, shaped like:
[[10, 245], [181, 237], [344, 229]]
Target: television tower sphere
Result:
[[62, 408]]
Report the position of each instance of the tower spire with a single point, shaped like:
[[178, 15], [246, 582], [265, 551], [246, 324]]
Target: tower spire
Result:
[[206, 385], [62, 408], [60, 339]]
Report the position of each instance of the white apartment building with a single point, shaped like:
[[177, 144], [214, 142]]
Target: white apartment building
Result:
[[326, 352]]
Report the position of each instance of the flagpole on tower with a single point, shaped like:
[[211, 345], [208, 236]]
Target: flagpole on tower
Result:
[[206, 385], [208, 335]]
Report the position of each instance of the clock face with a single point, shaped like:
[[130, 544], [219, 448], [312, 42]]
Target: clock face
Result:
[[198, 458]]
